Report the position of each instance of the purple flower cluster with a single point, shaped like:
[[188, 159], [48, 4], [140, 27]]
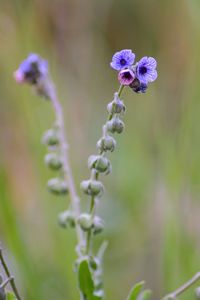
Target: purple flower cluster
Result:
[[32, 70], [137, 75]]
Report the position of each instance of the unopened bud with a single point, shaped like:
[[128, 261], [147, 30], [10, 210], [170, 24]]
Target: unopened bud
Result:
[[98, 162], [66, 219], [116, 106], [115, 125], [57, 186], [50, 137], [98, 225], [85, 221], [94, 262], [92, 187], [53, 161], [106, 143]]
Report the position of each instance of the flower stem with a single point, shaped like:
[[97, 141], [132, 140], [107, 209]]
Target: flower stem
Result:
[[75, 202], [89, 233], [120, 90], [11, 278], [184, 287], [95, 175]]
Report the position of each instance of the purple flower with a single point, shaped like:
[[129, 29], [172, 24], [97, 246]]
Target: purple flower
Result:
[[146, 69], [32, 70], [122, 59], [138, 87], [126, 76]]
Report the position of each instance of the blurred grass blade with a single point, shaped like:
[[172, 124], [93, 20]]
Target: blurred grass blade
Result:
[[136, 289]]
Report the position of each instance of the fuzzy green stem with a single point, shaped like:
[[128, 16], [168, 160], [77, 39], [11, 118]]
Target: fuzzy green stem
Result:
[[183, 288], [95, 174], [11, 278], [89, 233], [120, 90], [75, 202]]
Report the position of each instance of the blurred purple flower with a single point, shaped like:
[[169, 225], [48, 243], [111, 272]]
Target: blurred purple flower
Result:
[[122, 59], [138, 87], [146, 70], [126, 76], [31, 70]]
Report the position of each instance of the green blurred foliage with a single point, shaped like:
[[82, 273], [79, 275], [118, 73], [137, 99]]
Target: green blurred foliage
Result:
[[151, 205]]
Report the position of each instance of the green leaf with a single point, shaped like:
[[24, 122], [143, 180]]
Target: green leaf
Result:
[[135, 290], [145, 295], [86, 283], [10, 296]]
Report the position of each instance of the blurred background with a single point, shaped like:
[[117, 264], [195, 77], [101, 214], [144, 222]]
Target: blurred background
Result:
[[152, 204]]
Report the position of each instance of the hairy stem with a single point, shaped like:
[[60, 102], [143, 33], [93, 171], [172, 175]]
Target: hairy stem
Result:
[[184, 287], [10, 278], [95, 175], [75, 202]]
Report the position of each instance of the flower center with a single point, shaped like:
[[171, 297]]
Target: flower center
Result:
[[122, 61], [127, 75], [143, 70]]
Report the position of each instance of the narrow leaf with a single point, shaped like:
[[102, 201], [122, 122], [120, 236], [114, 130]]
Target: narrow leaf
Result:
[[135, 290], [86, 283]]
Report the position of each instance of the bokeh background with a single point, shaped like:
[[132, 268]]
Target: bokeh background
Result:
[[152, 204]]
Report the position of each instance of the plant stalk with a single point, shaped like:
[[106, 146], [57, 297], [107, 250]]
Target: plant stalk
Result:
[[11, 278]]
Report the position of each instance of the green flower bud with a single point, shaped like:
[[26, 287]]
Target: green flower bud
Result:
[[116, 106], [106, 143], [98, 225], [94, 263], [85, 221], [66, 219], [50, 137], [57, 186], [53, 161], [115, 125], [92, 187], [98, 162]]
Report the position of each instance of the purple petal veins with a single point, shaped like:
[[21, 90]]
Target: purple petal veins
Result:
[[122, 59], [146, 70]]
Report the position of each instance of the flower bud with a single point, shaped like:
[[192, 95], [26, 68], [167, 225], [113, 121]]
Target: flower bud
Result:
[[92, 187], [115, 125], [138, 87], [85, 221], [50, 137], [98, 162], [98, 225], [94, 262], [106, 143], [116, 106], [53, 161], [57, 186], [66, 219]]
